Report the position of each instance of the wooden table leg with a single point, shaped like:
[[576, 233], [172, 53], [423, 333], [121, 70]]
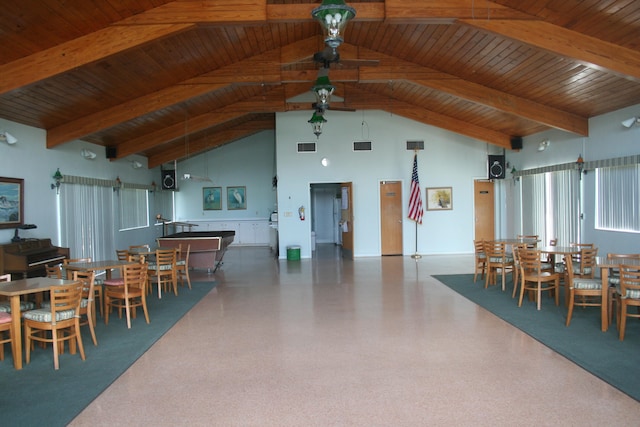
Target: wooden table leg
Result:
[[604, 310], [16, 343]]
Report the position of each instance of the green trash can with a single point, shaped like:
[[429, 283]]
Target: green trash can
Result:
[[293, 253]]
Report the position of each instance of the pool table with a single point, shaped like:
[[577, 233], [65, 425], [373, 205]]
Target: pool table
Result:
[[207, 247]]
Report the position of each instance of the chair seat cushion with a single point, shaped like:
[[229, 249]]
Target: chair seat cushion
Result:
[[181, 262], [614, 281], [5, 306], [119, 281], [587, 284], [631, 293], [42, 315], [5, 317], [507, 259]]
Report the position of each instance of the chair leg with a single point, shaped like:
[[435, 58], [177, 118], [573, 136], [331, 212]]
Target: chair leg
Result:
[[570, 311], [623, 319], [56, 349]]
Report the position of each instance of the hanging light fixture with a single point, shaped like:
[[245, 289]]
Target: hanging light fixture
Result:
[[57, 177], [323, 89], [333, 15], [316, 123]]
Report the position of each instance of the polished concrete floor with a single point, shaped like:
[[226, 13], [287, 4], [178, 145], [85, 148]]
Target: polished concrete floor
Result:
[[370, 342]]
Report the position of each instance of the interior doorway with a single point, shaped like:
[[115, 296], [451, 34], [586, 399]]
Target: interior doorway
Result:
[[484, 209], [325, 215]]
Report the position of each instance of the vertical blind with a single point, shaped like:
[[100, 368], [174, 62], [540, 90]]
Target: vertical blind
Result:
[[617, 198]]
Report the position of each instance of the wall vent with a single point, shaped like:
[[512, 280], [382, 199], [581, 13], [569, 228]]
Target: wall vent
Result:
[[306, 147], [415, 145], [361, 145]]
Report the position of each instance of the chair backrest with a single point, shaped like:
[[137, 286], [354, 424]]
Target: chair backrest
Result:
[[165, 257], [184, 255], [477, 244], [587, 260], [140, 247], [54, 271], [582, 245], [135, 276], [530, 262], [122, 254], [630, 281], [65, 297], [495, 249], [87, 278], [141, 259]]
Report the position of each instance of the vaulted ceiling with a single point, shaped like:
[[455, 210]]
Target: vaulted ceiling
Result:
[[168, 79]]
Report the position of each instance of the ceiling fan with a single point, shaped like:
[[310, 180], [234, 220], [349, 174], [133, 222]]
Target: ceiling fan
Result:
[[330, 55]]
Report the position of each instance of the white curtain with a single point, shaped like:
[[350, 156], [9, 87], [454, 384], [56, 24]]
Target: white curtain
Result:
[[87, 220]]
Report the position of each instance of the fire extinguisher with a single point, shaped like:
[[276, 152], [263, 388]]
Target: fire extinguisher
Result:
[[301, 213]]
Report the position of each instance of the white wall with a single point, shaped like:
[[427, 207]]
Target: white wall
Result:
[[29, 159], [448, 160]]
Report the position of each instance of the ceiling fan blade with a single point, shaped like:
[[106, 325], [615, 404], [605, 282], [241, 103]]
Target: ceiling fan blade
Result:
[[360, 62]]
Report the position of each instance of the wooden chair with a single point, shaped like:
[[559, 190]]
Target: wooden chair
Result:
[[497, 260], [88, 304], [516, 265], [583, 292], [163, 270], [533, 237], [182, 265], [60, 320], [127, 292], [532, 278], [627, 294], [5, 323], [97, 284], [480, 260], [614, 280], [54, 271]]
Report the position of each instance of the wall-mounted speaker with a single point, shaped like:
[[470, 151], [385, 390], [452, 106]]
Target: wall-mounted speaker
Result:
[[496, 167], [111, 152], [516, 143], [169, 179]]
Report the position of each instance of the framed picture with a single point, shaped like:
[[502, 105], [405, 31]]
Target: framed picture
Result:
[[236, 198], [211, 198], [11, 202], [439, 198]]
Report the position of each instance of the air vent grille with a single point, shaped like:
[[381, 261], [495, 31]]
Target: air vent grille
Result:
[[306, 147], [415, 145], [361, 145]]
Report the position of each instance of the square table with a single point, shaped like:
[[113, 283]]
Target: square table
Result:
[[14, 290], [96, 266], [605, 264]]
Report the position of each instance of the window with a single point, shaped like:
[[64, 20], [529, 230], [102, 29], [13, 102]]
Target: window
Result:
[[134, 208], [617, 194]]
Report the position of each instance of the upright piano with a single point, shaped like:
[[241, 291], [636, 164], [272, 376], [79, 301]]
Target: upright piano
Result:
[[29, 257]]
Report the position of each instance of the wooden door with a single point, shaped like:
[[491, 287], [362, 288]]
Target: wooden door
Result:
[[484, 211], [391, 217], [346, 219]]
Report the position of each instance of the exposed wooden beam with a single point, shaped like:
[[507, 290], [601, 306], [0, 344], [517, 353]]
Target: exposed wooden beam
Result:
[[446, 11], [222, 137], [81, 51], [593, 52]]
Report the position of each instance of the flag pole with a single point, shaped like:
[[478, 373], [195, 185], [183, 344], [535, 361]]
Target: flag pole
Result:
[[415, 201], [416, 255]]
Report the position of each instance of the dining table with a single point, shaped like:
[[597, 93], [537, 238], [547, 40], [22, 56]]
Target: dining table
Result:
[[108, 266], [605, 264], [14, 290]]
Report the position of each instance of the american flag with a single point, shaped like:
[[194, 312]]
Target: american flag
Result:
[[415, 197]]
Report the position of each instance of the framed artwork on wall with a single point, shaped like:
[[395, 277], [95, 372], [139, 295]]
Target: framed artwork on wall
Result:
[[211, 198], [11, 202], [439, 198], [236, 198]]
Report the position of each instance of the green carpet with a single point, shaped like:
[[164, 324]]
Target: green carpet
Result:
[[39, 395], [601, 353]]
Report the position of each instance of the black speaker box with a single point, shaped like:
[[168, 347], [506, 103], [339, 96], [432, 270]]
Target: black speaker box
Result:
[[168, 179], [496, 167], [516, 143], [111, 152]]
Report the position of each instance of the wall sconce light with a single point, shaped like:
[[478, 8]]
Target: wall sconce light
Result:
[[333, 15], [7, 137], [513, 174], [580, 165], [323, 89], [544, 144], [57, 177], [631, 122], [316, 123], [117, 185], [136, 164], [88, 154]]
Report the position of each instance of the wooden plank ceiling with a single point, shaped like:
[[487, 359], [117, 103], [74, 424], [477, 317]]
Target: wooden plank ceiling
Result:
[[168, 79]]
